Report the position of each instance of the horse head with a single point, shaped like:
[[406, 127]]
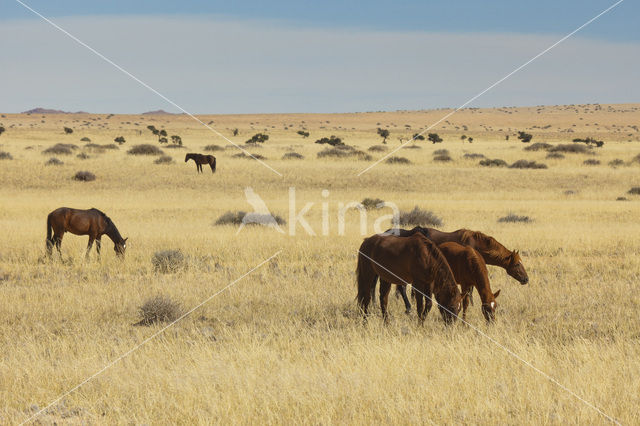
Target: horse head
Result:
[[516, 268], [453, 306], [489, 307], [120, 247]]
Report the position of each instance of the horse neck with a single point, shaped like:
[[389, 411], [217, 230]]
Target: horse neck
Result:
[[113, 233], [481, 279], [443, 274], [492, 251]]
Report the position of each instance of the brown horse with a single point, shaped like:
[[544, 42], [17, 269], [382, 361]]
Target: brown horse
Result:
[[488, 247], [90, 222], [201, 159], [470, 270], [414, 260]]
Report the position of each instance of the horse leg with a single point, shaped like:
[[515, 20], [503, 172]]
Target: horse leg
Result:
[[419, 306], [98, 246], [58, 242], [199, 168], [385, 288], [86, 255], [465, 301], [402, 291]]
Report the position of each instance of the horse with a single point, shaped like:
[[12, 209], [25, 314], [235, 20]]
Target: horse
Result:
[[470, 270], [414, 260], [92, 222], [201, 159], [488, 247]]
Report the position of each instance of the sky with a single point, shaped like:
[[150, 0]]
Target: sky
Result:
[[310, 56]]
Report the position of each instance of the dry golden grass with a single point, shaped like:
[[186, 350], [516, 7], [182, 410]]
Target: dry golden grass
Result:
[[285, 344]]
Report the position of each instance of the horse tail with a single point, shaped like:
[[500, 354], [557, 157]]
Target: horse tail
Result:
[[364, 275], [49, 229], [213, 165]]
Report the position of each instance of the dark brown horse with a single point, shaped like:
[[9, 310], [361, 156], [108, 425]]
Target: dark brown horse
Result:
[[470, 270], [414, 260], [201, 159], [90, 222], [488, 247]]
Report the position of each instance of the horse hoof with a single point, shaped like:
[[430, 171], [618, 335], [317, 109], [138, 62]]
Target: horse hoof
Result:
[[408, 311]]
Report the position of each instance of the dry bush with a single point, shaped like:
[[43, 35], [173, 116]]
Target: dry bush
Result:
[[591, 162], [634, 191], [94, 148], [61, 149], [213, 148], [636, 159], [167, 261], [570, 148], [377, 148], [292, 156], [554, 156], [473, 156], [84, 176], [53, 161], [418, 217], [372, 203], [145, 149], [344, 151], [442, 157], [110, 146], [622, 199], [237, 217], [159, 309], [249, 157], [496, 162], [526, 164], [5, 156], [616, 162], [165, 159], [441, 152], [83, 156], [85, 139], [412, 146], [538, 146], [513, 218], [397, 160]]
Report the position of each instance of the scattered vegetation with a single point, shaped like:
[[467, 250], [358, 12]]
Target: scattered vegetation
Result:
[[634, 191], [496, 162], [384, 134], [343, 151], [249, 157], [377, 148], [68, 130], [442, 158], [165, 159], [236, 218], [53, 161], [417, 137], [119, 140], [303, 133], [418, 217], [84, 176], [83, 156], [538, 146], [434, 138], [5, 155], [513, 218], [257, 138], [441, 152], [372, 203], [213, 148], [570, 148], [292, 156], [397, 160], [159, 309], [590, 141], [176, 140], [2, 130], [332, 140], [525, 137], [554, 155], [145, 149], [616, 162], [167, 261], [526, 164], [591, 162], [473, 156], [85, 139], [61, 149]]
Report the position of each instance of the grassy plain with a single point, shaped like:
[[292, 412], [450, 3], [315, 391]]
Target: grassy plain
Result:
[[285, 344]]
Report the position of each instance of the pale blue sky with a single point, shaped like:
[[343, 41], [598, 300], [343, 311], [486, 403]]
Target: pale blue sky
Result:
[[308, 56]]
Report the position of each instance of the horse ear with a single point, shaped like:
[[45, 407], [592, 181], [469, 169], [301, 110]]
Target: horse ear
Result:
[[496, 294], [125, 240]]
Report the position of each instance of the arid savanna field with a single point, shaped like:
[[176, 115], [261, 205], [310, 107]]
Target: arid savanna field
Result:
[[285, 341]]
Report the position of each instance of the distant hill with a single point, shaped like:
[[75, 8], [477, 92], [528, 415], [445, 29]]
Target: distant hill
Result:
[[157, 112], [50, 111]]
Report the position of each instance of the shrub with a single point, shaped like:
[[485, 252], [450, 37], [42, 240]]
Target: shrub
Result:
[[292, 156], [441, 152], [538, 146], [343, 151], [5, 156], [616, 162], [53, 161], [109, 146], [258, 138], [636, 159], [83, 156], [249, 157], [526, 164], [236, 218], [554, 155], [473, 156], [417, 217], [145, 149], [85, 139], [397, 160], [94, 147], [442, 158], [166, 261], [591, 162], [372, 203], [84, 176], [303, 133], [176, 140], [622, 199], [333, 141], [590, 141], [496, 162], [570, 148], [159, 309], [68, 130], [377, 148], [525, 137], [61, 149], [120, 140], [165, 159], [634, 191], [213, 148], [384, 134], [434, 138], [417, 137], [412, 146], [513, 218]]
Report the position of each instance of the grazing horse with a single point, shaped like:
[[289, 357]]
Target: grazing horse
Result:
[[90, 222], [201, 159], [470, 270], [414, 260], [488, 247]]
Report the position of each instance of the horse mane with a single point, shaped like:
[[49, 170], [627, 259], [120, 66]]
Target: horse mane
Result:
[[107, 218], [490, 246], [440, 265]]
